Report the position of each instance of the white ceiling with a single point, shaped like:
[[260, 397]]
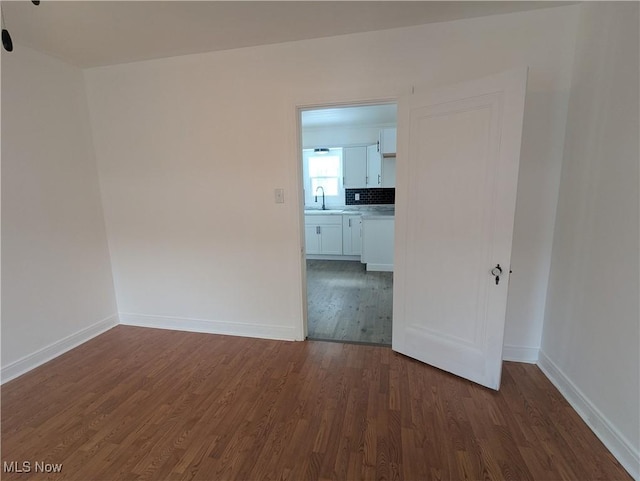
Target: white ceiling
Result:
[[350, 116], [95, 33]]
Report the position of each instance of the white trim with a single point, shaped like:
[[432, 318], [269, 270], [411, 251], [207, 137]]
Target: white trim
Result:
[[327, 257], [520, 354], [283, 333], [619, 446], [46, 354], [379, 267]]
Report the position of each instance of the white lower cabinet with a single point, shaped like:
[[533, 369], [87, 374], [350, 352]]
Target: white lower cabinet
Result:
[[378, 243], [351, 235], [323, 234]]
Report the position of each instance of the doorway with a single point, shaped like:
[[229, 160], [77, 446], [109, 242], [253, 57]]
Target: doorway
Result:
[[460, 152], [348, 178]]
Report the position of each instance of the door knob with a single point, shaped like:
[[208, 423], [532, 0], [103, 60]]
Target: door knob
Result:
[[496, 272]]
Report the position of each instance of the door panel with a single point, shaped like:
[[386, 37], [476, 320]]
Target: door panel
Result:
[[374, 166], [354, 167], [351, 231], [331, 239], [311, 239], [457, 167]]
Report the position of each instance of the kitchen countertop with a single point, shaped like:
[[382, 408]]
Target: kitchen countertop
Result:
[[367, 212], [323, 212], [381, 215]]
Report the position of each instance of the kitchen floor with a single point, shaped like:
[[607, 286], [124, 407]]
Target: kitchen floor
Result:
[[347, 303]]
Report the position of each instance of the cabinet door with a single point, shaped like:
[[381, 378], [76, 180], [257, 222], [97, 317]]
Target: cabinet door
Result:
[[331, 239], [354, 167], [351, 235], [374, 167], [388, 142], [311, 239]]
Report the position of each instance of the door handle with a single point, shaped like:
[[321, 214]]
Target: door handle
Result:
[[497, 272]]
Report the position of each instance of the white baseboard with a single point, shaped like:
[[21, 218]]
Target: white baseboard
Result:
[[619, 446], [46, 354], [520, 354], [380, 267], [326, 257], [283, 333]]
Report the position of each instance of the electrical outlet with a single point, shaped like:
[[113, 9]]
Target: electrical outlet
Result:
[[357, 197], [279, 195]]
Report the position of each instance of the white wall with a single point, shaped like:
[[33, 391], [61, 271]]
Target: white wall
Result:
[[191, 148], [57, 288], [590, 346]]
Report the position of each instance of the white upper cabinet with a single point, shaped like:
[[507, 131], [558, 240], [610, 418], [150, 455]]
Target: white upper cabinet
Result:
[[354, 167], [363, 168], [374, 167], [370, 166], [388, 142]]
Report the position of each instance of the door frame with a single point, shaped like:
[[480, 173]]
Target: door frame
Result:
[[298, 107]]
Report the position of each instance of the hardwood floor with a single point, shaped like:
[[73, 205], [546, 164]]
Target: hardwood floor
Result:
[[347, 303], [144, 404]]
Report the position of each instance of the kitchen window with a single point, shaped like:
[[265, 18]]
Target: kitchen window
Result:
[[323, 170]]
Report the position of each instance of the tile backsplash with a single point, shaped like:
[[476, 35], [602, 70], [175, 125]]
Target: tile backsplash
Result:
[[370, 196]]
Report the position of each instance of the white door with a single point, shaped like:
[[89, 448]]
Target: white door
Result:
[[457, 173]]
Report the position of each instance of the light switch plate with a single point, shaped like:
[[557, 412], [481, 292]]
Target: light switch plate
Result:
[[279, 195]]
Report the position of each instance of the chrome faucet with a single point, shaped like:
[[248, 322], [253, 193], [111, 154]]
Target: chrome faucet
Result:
[[323, 206]]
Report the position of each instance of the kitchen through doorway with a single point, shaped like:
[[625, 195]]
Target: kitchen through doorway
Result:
[[348, 169]]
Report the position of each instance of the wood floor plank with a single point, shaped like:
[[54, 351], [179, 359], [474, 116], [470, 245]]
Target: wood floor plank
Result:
[[145, 404]]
